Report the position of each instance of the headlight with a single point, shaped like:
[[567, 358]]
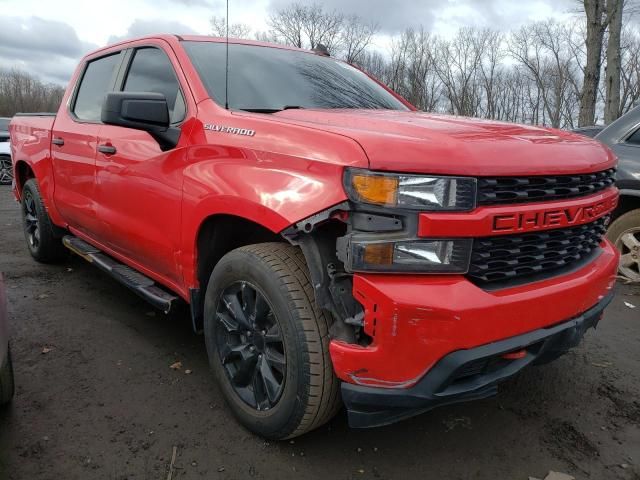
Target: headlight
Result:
[[427, 256], [414, 192]]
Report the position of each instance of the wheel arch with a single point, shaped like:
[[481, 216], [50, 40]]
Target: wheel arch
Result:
[[217, 235], [629, 200], [22, 172]]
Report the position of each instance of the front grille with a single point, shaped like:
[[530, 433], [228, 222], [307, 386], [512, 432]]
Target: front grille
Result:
[[499, 190], [533, 255]]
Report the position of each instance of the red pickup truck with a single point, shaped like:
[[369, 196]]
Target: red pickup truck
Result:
[[335, 245]]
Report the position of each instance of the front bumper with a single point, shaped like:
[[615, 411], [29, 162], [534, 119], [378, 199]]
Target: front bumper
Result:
[[416, 320], [467, 374]]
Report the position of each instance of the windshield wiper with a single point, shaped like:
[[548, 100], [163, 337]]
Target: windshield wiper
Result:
[[271, 110], [260, 110]]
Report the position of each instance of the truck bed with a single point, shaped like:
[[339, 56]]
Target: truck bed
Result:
[[31, 135]]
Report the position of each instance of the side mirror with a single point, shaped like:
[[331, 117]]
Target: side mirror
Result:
[[145, 111]]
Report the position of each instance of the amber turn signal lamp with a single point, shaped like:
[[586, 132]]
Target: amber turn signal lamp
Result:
[[376, 189], [378, 254]]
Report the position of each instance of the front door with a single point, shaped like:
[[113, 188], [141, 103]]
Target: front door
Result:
[[139, 186]]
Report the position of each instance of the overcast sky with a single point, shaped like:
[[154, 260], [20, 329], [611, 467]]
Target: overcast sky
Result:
[[48, 37]]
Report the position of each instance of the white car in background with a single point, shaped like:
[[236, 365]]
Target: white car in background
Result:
[[6, 170]]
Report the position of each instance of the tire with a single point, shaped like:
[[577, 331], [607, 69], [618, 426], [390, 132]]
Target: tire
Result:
[[6, 170], [305, 392], [624, 233], [43, 243], [7, 387]]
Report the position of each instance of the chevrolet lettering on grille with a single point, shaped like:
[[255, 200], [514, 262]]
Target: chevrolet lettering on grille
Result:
[[552, 218]]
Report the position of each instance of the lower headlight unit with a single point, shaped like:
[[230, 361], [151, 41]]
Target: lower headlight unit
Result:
[[416, 256]]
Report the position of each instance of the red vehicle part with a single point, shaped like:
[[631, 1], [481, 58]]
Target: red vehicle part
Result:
[[414, 321]]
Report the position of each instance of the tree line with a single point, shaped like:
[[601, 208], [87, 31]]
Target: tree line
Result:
[[545, 73], [23, 92]]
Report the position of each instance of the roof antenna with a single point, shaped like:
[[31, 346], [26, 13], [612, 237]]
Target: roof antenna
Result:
[[226, 70]]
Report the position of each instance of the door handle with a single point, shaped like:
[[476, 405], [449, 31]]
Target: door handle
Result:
[[107, 149], [58, 141]]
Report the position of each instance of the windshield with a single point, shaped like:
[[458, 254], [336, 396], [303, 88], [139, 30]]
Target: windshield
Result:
[[272, 79], [4, 124]]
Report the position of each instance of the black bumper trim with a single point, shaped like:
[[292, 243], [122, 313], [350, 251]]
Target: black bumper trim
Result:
[[453, 378]]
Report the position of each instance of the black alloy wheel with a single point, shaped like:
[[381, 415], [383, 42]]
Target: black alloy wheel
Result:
[[250, 345], [43, 240], [31, 222], [268, 342]]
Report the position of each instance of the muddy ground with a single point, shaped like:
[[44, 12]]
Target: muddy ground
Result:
[[102, 401]]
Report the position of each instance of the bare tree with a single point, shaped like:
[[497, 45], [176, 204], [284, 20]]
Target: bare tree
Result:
[[236, 30], [599, 14], [612, 72], [630, 71], [543, 50], [322, 27], [307, 26], [287, 24], [355, 37], [22, 92], [492, 54], [375, 64], [457, 65]]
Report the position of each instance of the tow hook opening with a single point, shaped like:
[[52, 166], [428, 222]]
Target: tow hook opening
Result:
[[515, 355]]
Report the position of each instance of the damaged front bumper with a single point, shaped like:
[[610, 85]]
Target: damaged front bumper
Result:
[[467, 374]]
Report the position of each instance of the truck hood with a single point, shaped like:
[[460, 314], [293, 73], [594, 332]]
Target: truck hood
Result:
[[407, 141]]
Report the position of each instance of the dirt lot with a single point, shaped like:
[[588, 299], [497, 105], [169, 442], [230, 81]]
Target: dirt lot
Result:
[[102, 401]]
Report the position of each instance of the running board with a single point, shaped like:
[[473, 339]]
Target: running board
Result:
[[134, 280]]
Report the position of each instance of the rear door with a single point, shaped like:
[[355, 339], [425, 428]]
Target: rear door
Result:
[[74, 140], [139, 186]]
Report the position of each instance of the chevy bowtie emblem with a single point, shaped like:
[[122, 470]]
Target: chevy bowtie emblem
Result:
[[233, 130]]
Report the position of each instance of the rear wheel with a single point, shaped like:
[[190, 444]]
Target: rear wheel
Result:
[[6, 380], [624, 232], [43, 244], [6, 170], [268, 342]]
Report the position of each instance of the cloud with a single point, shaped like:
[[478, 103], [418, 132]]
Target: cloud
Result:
[[391, 16], [398, 15], [193, 3], [140, 28], [47, 48]]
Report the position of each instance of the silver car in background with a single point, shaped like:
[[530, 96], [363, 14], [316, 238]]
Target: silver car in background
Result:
[[623, 137], [6, 170]]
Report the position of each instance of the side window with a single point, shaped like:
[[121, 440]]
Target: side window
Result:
[[93, 87], [151, 71], [634, 139]]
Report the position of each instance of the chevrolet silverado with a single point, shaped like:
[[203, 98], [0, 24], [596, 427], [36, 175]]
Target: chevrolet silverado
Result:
[[335, 245]]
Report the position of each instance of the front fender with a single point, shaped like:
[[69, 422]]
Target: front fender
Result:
[[272, 190]]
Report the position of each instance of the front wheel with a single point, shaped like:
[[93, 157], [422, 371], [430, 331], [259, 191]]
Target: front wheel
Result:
[[624, 232], [268, 342]]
